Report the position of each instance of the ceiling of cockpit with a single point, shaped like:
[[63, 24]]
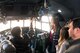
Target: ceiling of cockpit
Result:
[[72, 5], [20, 8]]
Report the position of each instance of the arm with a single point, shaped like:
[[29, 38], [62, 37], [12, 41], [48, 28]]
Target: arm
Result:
[[63, 47]]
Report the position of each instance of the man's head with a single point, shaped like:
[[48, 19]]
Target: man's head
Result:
[[74, 28], [16, 31]]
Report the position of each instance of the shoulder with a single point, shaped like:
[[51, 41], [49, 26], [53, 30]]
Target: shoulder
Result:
[[73, 49], [63, 47], [65, 43]]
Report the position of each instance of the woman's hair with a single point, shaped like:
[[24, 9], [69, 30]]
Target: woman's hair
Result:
[[64, 35], [57, 17], [56, 20]]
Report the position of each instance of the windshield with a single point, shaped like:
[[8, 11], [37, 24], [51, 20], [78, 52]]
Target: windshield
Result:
[[24, 23]]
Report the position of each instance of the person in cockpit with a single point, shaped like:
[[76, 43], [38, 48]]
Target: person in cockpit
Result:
[[18, 41], [54, 34]]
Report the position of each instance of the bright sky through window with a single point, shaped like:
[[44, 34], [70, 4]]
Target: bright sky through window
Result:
[[4, 26], [44, 26]]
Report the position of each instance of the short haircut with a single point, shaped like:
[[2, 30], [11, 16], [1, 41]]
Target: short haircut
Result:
[[76, 22], [16, 31]]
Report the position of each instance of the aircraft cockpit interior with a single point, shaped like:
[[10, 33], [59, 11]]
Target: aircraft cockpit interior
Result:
[[31, 21]]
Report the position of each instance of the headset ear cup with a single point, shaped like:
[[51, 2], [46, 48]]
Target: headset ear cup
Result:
[[7, 47]]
